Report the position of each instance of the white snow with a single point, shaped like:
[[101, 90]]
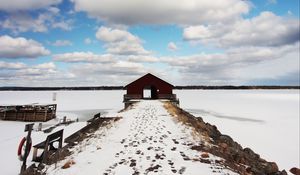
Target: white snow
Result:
[[267, 121], [11, 134], [73, 104], [143, 138]]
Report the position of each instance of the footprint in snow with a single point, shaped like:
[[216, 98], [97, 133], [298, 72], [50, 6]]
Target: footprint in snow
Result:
[[170, 162], [175, 141], [182, 169], [133, 163], [122, 161], [136, 173]]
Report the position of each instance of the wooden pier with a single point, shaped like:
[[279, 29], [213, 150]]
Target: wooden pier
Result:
[[31, 113]]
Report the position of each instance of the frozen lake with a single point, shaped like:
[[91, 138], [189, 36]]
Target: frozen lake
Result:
[[267, 121]]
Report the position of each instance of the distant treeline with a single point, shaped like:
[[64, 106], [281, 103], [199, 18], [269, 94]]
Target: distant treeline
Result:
[[122, 87], [61, 88], [236, 87]]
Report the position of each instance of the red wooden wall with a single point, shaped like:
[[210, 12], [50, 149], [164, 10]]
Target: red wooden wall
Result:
[[149, 80]]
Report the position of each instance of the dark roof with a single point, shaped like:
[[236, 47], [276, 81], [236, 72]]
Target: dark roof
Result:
[[148, 74]]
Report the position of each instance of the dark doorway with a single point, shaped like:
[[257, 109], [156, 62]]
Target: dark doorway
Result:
[[154, 94]]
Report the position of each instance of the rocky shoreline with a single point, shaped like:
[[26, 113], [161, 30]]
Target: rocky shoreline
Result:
[[241, 160]]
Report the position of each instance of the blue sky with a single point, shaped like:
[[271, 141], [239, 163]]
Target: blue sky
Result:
[[112, 42]]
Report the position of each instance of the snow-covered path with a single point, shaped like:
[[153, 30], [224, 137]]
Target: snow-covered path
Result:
[[148, 140]]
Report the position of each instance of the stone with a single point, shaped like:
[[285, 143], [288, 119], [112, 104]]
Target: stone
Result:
[[197, 147], [223, 146], [295, 171], [226, 139], [271, 167], [68, 164], [250, 154], [205, 155]]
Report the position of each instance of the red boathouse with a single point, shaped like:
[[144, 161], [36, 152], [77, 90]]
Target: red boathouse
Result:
[[158, 89]]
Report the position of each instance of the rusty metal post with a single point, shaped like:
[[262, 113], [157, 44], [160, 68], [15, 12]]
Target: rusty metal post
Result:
[[28, 128]]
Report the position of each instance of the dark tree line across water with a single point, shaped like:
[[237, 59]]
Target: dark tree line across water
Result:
[[229, 87]]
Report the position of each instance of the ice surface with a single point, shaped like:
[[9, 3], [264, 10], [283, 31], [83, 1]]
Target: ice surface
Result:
[[267, 121], [71, 103]]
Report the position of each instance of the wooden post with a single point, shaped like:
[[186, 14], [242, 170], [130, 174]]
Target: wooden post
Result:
[[28, 128], [44, 159], [24, 117], [34, 155], [45, 117], [34, 116], [54, 114], [40, 127], [54, 96]]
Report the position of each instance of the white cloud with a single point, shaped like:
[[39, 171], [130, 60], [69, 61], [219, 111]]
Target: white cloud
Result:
[[142, 58], [22, 21], [63, 25], [49, 65], [242, 56], [83, 57], [89, 57], [9, 65], [62, 43], [125, 48], [87, 41], [20, 74], [115, 35], [18, 5], [44, 71], [172, 46], [237, 65], [267, 29], [290, 13], [115, 68], [163, 11], [273, 71], [21, 48], [107, 74], [53, 10], [272, 1], [244, 65], [120, 42]]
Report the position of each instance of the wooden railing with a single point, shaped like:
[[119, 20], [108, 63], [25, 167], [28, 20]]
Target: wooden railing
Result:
[[128, 97]]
